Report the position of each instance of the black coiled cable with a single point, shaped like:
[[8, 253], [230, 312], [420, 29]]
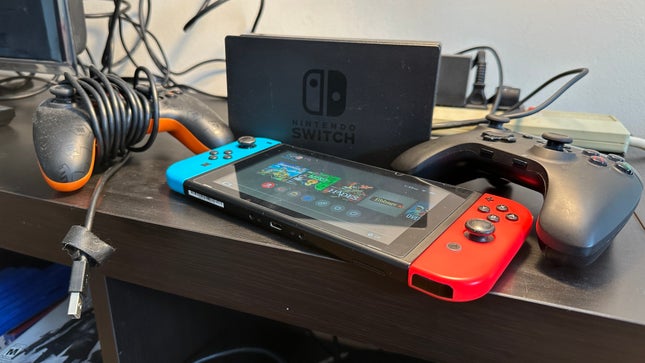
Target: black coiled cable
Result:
[[120, 116], [120, 113]]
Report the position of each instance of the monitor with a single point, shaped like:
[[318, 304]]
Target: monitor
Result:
[[41, 36]]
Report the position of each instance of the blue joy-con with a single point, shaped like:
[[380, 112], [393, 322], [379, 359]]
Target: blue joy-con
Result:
[[188, 168]]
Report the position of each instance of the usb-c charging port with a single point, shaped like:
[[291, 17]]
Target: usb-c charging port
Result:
[[275, 225]]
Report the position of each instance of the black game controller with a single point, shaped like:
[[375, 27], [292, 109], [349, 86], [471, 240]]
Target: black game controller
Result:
[[588, 196], [66, 146]]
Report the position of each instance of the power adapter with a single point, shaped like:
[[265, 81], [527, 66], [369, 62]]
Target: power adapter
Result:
[[594, 131], [452, 83]]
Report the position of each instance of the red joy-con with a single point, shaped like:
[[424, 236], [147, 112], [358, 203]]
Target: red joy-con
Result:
[[466, 260]]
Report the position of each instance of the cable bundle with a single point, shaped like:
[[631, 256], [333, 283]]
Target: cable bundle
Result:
[[119, 113]]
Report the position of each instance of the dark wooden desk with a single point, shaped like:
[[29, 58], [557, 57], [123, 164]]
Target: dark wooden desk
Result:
[[170, 249]]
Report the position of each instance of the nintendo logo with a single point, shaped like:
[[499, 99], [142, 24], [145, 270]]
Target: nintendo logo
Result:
[[324, 92]]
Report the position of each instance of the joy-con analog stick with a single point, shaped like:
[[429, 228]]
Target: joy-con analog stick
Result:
[[479, 230], [246, 142]]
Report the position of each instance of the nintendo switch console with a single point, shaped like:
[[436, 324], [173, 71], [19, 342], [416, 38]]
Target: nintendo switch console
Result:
[[445, 241]]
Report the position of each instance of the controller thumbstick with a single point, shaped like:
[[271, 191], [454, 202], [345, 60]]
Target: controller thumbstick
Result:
[[63, 93], [479, 230], [246, 142], [555, 141], [496, 121]]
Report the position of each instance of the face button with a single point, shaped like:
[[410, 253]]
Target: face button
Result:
[[212, 157], [479, 230], [598, 160], [502, 208], [483, 209], [624, 167], [493, 218], [512, 217], [614, 157], [590, 152]]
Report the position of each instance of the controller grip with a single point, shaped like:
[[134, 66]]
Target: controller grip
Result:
[[192, 122], [198, 135], [439, 160], [65, 147]]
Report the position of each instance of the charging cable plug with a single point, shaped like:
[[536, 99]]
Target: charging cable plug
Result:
[[77, 286], [86, 250], [477, 97]]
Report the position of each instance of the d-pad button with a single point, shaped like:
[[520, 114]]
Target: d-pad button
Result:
[[498, 135]]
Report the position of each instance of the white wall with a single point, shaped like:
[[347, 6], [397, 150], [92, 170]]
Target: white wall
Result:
[[535, 39]]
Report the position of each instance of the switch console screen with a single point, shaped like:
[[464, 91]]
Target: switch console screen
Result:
[[384, 210]]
